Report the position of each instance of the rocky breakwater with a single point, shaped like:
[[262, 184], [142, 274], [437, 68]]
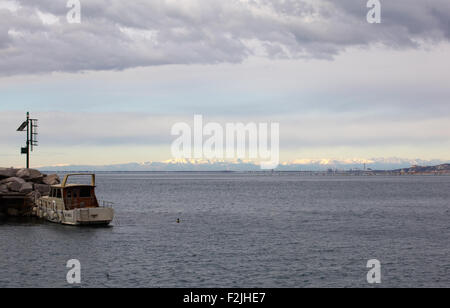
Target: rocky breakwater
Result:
[[19, 188]]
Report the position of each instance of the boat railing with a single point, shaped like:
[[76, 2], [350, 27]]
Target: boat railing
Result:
[[81, 205], [75, 205], [106, 204]]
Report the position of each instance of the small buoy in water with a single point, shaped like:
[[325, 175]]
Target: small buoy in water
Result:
[[178, 220]]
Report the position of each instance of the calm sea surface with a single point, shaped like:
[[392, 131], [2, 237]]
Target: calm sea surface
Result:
[[243, 230]]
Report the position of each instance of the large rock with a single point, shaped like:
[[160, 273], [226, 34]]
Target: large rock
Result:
[[7, 173], [3, 189], [52, 179], [26, 188], [14, 186], [43, 189], [13, 179], [30, 175], [34, 196]]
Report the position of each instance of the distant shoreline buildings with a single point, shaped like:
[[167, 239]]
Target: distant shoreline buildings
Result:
[[443, 169]]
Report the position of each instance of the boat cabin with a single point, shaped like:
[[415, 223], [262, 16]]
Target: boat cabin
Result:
[[75, 196]]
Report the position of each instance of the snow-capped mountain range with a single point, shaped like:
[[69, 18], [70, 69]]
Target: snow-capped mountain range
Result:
[[243, 165]]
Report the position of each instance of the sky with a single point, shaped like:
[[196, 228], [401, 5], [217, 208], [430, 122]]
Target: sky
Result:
[[108, 90]]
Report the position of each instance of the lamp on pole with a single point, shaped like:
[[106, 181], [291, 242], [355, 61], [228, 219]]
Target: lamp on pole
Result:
[[31, 126]]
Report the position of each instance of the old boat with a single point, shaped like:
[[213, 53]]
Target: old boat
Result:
[[74, 204]]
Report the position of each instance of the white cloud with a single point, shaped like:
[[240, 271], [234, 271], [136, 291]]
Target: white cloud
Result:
[[103, 129], [117, 35], [10, 5], [48, 18]]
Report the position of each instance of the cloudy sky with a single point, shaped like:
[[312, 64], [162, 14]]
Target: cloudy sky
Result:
[[108, 90]]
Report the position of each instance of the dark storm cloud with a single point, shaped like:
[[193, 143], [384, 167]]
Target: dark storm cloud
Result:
[[116, 35]]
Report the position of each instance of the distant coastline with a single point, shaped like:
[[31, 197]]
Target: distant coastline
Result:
[[397, 165], [442, 169]]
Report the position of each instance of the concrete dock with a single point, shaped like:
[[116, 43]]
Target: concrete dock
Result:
[[16, 204]]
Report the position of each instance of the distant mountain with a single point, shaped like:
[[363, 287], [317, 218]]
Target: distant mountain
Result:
[[241, 165], [440, 169]]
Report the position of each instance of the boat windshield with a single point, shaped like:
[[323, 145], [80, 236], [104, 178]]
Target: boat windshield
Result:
[[80, 197]]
